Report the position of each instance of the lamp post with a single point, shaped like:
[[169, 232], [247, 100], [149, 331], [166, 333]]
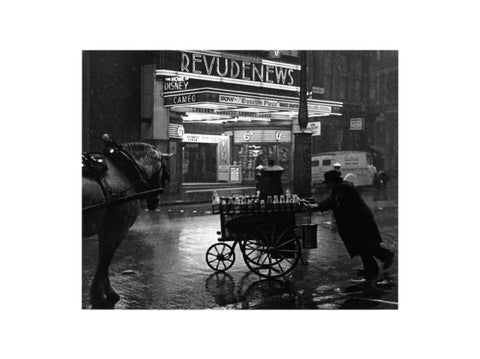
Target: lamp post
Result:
[[302, 157]]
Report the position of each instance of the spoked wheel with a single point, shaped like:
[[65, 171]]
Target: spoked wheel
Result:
[[271, 253], [220, 257]]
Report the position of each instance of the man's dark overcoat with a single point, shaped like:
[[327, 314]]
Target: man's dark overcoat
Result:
[[355, 221]]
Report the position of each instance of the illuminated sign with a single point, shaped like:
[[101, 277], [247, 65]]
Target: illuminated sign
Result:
[[183, 99], [282, 105], [197, 63], [175, 85], [176, 130], [261, 136], [275, 54], [200, 138], [228, 68], [247, 135], [239, 105]]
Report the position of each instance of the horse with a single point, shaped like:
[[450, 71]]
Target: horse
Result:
[[112, 222]]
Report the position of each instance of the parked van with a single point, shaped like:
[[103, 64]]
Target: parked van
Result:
[[357, 167]]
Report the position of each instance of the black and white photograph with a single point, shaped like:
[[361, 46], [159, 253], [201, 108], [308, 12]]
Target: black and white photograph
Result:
[[263, 179], [259, 179]]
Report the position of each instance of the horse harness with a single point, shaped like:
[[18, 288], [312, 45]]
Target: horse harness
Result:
[[94, 166]]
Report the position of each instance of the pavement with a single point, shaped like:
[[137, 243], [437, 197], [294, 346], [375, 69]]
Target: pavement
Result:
[[196, 193], [380, 293], [161, 265]]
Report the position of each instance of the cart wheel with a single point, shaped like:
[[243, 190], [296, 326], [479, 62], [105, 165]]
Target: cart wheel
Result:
[[220, 257], [269, 255]]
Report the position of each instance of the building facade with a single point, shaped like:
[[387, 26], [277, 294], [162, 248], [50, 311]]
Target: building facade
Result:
[[224, 113], [367, 84]]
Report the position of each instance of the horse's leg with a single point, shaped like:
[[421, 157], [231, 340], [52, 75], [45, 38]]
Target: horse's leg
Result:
[[129, 213], [111, 295], [102, 294], [97, 291]]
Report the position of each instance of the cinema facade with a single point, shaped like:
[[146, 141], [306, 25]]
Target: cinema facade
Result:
[[223, 113]]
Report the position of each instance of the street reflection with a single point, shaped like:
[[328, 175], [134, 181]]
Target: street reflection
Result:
[[250, 292], [221, 286]]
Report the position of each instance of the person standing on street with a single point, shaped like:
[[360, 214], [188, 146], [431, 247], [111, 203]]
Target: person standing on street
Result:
[[356, 225]]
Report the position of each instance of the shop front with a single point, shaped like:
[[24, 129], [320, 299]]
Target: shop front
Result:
[[202, 157], [238, 110], [255, 147]]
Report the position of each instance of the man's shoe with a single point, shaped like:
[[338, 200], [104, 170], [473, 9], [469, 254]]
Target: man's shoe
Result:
[[388, 262]]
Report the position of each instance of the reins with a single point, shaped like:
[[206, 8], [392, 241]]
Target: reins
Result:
[[122, 199]]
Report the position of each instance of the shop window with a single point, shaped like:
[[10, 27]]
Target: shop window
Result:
[[251, 155], [199, 162]]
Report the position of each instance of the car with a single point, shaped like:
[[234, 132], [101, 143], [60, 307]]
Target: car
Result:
[[356, 167]]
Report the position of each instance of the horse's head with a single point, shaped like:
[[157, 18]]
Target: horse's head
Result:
[[159, 179], [155, 165]]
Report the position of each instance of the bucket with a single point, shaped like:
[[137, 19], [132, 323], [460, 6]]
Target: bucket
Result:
[[309, 236]]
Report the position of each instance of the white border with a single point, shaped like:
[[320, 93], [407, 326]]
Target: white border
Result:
[[41, 113]]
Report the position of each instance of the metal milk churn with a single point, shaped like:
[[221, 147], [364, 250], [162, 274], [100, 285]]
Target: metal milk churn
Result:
[[270, 180], [309, 233]]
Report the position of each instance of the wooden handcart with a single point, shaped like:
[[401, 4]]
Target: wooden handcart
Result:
[[270, 240]]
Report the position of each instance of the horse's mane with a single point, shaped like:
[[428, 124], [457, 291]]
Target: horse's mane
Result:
[[146, 155]]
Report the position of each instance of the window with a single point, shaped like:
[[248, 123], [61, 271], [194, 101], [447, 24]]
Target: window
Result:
[[326, 162], [315, 163]]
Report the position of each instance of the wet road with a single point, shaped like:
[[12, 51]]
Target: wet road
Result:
[[161, 265]]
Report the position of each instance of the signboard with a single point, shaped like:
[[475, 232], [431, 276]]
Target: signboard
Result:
[[179, 99], [176, 130], [276, 54], [223, 172], [237, 67], [175, 84], [200, 138], [235, 174], [356, 123], [272, 104], [228, 68], [229, 112], [182, 99], [318, 90], [262, 136], [315, 127], [223, 150]]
